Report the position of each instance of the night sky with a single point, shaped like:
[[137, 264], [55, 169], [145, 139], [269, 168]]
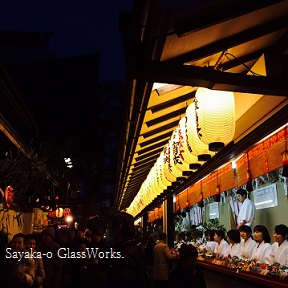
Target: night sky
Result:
[[79, 27]]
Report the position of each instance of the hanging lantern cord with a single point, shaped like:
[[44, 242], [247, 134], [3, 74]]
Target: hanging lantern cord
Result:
[[219, 61]]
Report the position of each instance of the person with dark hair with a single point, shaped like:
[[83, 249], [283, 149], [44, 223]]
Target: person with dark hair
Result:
[[149, 257], [53, 265], [210, 243], [188, 238], [262, 251], [162, 262], [187, 269], [247, 211], [63, 239], [18, 272], [79, 234], [127, 266], [280, 246], [221, 243], [30, 242], [97, 268], [247, 244], [97, 236], [79, 265], [88, 237], [71, 234], [233, 237]]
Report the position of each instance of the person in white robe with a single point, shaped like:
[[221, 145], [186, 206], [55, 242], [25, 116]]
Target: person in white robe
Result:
[[279, 251], [210, 243], [222, 244], [247, 244], [247, 211], [233, 237], [262, 252]]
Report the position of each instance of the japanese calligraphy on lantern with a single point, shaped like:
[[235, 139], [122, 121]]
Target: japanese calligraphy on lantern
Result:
[[266, 197]]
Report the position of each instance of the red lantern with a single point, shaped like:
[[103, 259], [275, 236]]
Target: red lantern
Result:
[[66, 212], [52, 214], [9, 195]]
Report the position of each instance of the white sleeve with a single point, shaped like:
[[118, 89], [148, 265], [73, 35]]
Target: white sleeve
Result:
[[249, 212], [269, 255]]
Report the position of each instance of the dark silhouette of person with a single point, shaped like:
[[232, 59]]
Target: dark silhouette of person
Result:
[[187, 269], [97, 268], [127, 265]]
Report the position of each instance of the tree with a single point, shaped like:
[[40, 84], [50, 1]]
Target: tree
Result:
[[38, 173]]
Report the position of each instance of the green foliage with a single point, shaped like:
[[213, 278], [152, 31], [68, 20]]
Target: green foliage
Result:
[[37, 172], [213, 224], [196, 233], [157, 231], [179, 226]]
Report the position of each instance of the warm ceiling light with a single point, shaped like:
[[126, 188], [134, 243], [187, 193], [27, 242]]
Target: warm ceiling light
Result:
[[215, 117], [158, 85]]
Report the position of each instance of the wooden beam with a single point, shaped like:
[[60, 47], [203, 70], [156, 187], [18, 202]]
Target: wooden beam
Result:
[[163, 72]]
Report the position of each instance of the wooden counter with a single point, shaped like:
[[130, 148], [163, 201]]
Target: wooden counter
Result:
[[217, 276]]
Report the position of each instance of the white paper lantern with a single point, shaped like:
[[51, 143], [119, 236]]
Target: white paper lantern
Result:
[[185, 149], [215, 117], [160, 167], [168, 165], [198, 148], [152, 194], [159, 177], [154, 184], [176, 152], [145, 192], [174, 156]]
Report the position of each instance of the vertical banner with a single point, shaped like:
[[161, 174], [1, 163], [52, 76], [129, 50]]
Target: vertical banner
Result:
[[213, 210]]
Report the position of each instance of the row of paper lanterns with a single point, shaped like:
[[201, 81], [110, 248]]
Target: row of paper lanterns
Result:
[[209, 125], [59, 212]]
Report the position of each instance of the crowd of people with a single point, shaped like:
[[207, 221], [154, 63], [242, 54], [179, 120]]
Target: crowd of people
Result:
[[111, 257], [50, 259], [62, 258]]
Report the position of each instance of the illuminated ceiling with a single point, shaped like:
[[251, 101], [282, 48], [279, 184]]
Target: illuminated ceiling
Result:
[[209, 46]]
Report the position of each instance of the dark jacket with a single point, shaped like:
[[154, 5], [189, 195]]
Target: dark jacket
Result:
[[149, 256], [9, 274], [52, 266], [129, 271], [97, 269]]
